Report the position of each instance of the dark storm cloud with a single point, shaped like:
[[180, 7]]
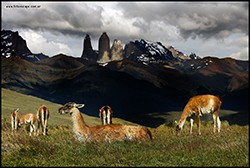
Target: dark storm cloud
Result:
[[67, 18], [190, 26], [192, 19]]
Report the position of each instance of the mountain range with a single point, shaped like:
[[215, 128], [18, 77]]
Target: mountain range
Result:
[[147, 77]]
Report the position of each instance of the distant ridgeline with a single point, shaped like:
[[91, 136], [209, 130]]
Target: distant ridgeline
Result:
[[140, 50]]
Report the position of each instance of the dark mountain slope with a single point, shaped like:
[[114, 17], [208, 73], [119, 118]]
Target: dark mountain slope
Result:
[[61, 61], [131, 88]]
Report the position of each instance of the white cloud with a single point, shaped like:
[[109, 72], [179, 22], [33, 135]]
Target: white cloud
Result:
[[239, 45], [241, 41], [116, 25], [241, 55], [162, 32], [37, 43]]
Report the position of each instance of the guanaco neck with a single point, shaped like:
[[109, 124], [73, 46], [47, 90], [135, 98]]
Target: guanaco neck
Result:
[[184, 115], [79, 126]]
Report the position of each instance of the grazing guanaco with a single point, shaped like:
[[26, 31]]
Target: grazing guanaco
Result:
[[18, 120], [198, 105]]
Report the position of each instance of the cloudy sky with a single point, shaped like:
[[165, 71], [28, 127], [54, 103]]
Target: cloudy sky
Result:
[[206, 28]]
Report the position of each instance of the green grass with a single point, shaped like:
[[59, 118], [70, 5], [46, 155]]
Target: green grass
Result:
[[230, 148]]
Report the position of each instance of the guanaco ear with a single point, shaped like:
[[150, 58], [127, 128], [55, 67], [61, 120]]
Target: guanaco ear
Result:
[[17, 109], [80, 105]]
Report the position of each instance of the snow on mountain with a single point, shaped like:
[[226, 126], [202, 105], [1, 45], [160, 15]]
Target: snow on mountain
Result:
[[152, 51], [12, 44], [180, 55], [146, 51], [203, 63], [6, 44]]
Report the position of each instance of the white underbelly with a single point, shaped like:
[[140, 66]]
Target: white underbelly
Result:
[[207, 109]]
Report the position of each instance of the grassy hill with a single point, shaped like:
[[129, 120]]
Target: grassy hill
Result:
[[26, 103], [59, 148]]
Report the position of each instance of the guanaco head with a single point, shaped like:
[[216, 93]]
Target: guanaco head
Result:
[[178, 127], [67, 108]]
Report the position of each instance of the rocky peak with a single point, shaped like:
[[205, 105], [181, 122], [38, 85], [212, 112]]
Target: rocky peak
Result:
[[88, 52], [194, 56], [13, 44], [104, 48], [146, 51], [178, 54], [131, 51], [116, 50]]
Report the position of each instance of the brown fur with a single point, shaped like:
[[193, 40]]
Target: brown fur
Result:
[[19, 120], [199, 105], [43, 116], [106, 115], [100, 133], [14, 120]]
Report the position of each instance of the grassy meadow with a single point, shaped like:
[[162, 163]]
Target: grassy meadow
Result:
[[230, 148]]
